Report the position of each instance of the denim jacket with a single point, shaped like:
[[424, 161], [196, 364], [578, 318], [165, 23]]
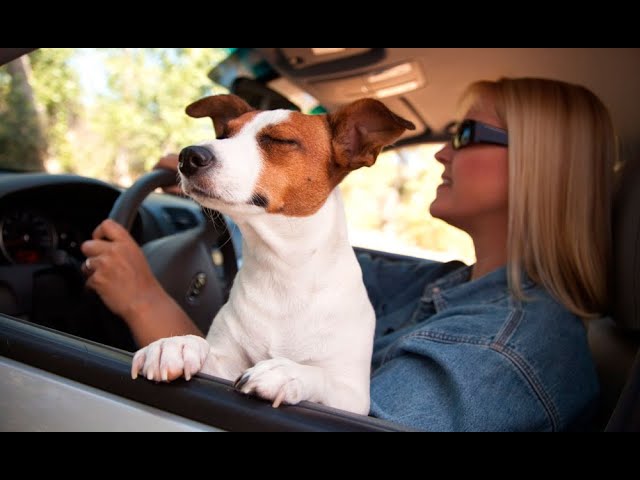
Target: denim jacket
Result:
[[456, 355]]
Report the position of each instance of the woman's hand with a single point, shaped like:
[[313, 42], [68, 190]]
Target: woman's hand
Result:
[[170, 162], [118, 271]]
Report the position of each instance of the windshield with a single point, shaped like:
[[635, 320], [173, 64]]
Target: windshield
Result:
[[112, 113], [104, 113]]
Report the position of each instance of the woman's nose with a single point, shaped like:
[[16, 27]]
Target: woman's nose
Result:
[[444, 154]]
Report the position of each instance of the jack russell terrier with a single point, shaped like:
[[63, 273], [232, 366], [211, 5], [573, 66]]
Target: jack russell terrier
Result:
[[298, 324]]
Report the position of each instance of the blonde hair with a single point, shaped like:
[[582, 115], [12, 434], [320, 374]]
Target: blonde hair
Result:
[[562, 152]]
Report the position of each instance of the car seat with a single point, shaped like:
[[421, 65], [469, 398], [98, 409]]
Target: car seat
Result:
[[614, 340]]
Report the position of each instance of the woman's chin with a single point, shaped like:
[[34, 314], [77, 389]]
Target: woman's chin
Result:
[[437, 209]]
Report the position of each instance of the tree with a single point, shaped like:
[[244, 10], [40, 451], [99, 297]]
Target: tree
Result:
[[38, 105], [57, 89], [22, 140], [141, 116]]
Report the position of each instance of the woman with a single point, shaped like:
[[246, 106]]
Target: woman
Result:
[[501, 344]]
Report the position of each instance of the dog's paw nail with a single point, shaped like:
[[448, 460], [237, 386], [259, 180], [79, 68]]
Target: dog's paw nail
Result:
[[279, 398], [165, 375], [242, 380]]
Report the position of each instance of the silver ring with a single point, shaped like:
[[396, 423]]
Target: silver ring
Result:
[[87, 264]]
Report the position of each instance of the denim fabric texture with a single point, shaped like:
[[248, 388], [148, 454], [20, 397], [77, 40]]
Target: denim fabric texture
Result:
[[452, 354]]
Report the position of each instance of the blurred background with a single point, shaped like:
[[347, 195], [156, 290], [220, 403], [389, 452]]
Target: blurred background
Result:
[[112, 113]]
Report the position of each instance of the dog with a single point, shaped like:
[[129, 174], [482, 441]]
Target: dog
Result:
[[298, 324]]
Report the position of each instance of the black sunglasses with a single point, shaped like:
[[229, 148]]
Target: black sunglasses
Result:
[[470, 132]]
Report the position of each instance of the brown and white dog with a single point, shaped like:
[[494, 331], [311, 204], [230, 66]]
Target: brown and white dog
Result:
[[298, 324]]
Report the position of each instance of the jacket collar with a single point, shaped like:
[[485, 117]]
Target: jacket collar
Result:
[[456, 288]]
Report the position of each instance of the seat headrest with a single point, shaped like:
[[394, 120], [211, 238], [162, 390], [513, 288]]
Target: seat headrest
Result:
[[626, 248]]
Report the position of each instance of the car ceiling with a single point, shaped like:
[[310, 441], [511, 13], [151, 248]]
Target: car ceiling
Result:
[[441, 74]]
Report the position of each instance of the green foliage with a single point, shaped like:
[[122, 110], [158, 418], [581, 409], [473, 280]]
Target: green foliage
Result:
[[370, 193], [57, 90], [30, 133], [118, 132], [393, 197], [22, 143], [141, 116]]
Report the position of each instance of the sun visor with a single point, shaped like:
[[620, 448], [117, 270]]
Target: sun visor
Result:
[[317, 61], [390, 85], [383, 83]]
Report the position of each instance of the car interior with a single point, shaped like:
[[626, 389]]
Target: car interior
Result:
[[44, 305]]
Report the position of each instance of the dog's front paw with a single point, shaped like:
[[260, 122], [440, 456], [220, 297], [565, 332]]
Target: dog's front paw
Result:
[[169, 358], [278, 379]]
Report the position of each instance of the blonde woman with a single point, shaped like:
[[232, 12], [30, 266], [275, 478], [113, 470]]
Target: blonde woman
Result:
[[501, 344]]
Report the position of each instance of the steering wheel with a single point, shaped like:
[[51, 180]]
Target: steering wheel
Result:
[[182, 262]]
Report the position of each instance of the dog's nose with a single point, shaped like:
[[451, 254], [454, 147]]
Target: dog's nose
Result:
[[194, 157]]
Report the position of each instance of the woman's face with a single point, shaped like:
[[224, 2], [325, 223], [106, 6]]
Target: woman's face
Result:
[[474, 190]]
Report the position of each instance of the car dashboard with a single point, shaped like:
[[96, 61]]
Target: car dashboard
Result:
[[43, 221]]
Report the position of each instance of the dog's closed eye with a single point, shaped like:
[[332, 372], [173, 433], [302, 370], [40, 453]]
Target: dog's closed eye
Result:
[[271, 140]]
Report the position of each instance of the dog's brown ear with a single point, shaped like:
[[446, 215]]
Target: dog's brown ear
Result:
[[221, 108], [361, 129]]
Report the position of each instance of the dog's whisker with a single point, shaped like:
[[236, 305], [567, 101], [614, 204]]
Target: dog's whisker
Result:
[[214, 216], [228, 239]]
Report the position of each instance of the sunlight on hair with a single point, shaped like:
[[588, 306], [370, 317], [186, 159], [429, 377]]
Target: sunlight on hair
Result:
[[388, 207]]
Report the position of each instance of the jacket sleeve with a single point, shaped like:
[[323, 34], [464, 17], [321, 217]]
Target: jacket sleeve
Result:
[[440, 384]]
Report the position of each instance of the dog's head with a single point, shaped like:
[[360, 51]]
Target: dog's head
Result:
[[281, 161]]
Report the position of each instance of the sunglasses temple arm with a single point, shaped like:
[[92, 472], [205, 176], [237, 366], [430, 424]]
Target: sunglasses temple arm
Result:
[[494, 135]]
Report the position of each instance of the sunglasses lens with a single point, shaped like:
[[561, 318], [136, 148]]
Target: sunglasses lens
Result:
[[471, 132], [462, 137]]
